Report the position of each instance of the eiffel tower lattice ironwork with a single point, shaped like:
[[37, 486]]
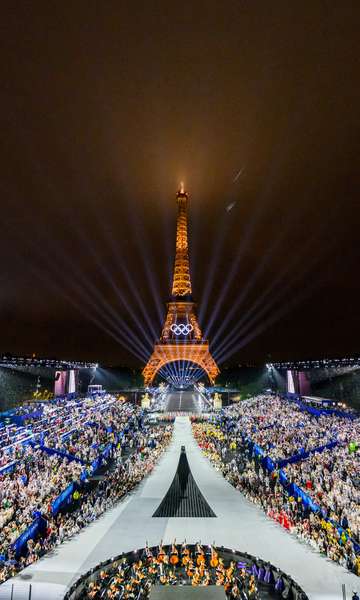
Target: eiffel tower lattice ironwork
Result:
[[181, 338]]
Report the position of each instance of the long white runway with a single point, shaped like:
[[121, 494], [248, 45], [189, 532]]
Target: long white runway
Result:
[[239, 524]]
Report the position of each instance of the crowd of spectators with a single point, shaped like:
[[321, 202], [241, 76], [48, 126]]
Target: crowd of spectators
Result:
[[85, 442], [331, 479], [282, 430], [51, 421], [328, 477], [29, 489], [11, 443]]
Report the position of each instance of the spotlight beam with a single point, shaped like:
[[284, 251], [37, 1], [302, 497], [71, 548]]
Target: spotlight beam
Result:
[[299, 258], [244, 293], [45, 275], [259, 212], [74, 282], [83, 309], [120, 296], [259, 270], [148, 264], [134, 290], [270, 321], [213, 264], [70, 265]]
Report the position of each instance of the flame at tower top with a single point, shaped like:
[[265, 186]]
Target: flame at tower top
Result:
[[182, 281]]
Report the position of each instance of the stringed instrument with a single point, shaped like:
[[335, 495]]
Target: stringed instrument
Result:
[[229, 577], [220, 572], [148, 554], [220, 579], [200, 559], [152, 569], [214, 560], [190, 568], [196, 578], [161, 554], [185, 555], [202, 569], [172, 577], [174, 554], [252, 587], [140, 574], [230, 570], [207, 579], [227, 587], [112, 593]]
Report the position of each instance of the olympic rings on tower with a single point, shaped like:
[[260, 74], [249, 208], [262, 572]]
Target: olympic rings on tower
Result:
[[181, 328]]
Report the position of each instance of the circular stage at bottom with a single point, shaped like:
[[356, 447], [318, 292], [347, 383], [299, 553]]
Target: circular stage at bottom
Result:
[[191, 571]]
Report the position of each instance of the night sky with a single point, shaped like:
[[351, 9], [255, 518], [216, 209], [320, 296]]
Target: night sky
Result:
[[107, 106]]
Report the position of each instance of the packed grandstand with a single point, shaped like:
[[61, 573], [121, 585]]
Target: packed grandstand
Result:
[[301, 468], [300, 465], [47, 492]]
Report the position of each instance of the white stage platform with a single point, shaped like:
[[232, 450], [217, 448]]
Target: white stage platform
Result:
[[239, 524]]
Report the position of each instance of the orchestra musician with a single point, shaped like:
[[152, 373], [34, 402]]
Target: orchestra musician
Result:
[[172, 565], [185, 554], [174, 555], [214, 560], [200, 555]]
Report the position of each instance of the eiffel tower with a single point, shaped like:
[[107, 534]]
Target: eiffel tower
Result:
[[181, 338]]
